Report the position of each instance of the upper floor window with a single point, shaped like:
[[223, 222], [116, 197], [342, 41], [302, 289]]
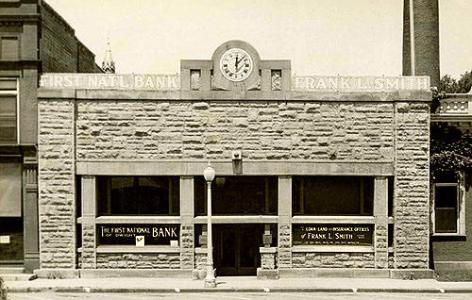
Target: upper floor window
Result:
[[8, 111], [449, 204], [138, 195], [9, 48]]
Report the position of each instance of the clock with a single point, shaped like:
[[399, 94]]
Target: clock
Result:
[[236, 64]]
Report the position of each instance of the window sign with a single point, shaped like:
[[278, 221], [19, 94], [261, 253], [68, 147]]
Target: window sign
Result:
[[139, 235], [332, 234]]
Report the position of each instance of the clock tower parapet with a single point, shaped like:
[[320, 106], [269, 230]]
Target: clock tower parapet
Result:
[[235, 66]]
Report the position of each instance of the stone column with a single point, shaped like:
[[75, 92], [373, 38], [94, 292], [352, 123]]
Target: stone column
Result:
[[284, 257], [381, 222], [186, 227], [89, 203], [411, 190], [30, 212]]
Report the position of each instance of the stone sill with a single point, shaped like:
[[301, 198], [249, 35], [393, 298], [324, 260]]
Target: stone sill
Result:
[[334, 219], [237, 219], [136, 220], [334, 249], [264, 250], [134, 249]]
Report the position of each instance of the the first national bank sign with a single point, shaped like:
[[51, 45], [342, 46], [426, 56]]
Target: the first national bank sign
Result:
[[171, 82]]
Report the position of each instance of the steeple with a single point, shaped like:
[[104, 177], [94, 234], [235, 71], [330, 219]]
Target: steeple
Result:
[[108, 65]]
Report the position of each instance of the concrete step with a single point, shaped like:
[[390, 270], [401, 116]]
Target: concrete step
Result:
[[17, 277], [11, 270]]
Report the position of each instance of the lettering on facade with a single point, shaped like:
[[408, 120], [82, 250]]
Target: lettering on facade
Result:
[[138, 234], [360, 83], [332, 234], [156, 82], [171, 82]]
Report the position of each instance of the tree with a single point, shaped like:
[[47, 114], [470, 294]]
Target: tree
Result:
[[451, 149], [448, 84]]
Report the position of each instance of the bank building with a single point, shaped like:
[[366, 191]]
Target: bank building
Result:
[[308, 175]]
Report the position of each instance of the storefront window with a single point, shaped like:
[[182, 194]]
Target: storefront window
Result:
[[238, 195], [8, 111], [332, 195], [138, 195]]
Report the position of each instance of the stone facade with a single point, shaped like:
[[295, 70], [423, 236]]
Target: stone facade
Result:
[[162, 131], [333, 260], [138, 261], [269, 130]]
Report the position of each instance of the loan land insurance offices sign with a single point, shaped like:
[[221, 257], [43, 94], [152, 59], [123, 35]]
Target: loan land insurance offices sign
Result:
[[332, 234], [171, 82]]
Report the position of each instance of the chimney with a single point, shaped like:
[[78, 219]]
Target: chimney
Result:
[[422, 56]]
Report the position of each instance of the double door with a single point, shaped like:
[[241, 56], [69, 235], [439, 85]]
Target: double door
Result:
[[236, 248]]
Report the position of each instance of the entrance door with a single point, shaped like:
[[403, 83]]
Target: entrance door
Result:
[[237, 248]]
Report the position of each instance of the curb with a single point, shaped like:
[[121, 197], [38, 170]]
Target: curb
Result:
[[234, 290]]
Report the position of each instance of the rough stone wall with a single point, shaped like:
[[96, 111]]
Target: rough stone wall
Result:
[[210, 130], [268, 261], [411, 193], [284, 253], [200, 261], [56, 184], [138, 261], [186, 246], [333, 260], [88, 246]]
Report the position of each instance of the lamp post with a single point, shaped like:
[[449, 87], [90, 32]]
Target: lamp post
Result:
[[210, 282]]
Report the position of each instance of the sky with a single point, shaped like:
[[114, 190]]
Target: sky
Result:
[[320, 37]]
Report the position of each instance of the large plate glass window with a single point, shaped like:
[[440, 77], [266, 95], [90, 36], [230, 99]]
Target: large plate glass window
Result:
[[332, 195], [138, 195]]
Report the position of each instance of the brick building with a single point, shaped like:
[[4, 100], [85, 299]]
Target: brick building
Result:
[[33, 39]]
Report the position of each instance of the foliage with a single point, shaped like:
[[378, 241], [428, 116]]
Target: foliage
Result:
[[451, 150], [448, 84]]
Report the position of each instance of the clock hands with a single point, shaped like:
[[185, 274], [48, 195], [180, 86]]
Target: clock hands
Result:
[[237, 62]]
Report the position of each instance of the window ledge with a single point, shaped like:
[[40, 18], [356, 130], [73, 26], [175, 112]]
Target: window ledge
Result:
[[237, 219], [138, 220], [449, 235], [330, 248], [134, 249], [334, 219]]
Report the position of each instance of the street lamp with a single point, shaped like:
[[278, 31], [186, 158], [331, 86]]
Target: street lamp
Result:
[[210, 282]]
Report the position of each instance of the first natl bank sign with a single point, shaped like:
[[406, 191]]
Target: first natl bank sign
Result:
[[138, 234], [97, 81]]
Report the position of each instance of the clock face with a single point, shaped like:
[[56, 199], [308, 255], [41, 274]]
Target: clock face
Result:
[[236, 64]]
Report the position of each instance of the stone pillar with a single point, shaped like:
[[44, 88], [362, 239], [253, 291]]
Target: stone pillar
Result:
[[30, 211], [56, 177], [411, 188], [186, 227], [381, 222], [284, 257], [89, 204]]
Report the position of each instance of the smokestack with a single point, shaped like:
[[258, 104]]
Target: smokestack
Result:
[[421, 39]]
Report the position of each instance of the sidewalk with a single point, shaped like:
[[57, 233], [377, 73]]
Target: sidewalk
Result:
[[238, 284]]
